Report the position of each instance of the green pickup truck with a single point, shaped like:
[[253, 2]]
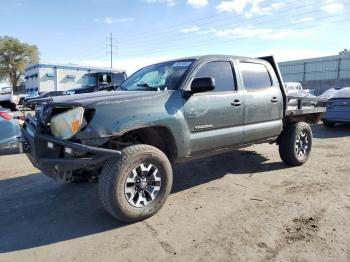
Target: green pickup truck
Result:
[[163, 114]]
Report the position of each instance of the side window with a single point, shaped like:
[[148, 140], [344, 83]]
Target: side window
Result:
[[255, 76], [221, 72], [290, 87]]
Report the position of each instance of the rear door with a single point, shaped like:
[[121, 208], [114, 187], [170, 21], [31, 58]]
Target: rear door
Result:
[[215, 118], [263, 101]]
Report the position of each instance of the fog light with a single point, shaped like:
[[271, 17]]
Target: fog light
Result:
[[68, 150]]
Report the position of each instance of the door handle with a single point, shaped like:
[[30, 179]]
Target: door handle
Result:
[[274, 100], [236, 102]]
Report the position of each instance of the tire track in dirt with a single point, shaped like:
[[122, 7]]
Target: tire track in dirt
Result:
[[165, 245], [300, 228]]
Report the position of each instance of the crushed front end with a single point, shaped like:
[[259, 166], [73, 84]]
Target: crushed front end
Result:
[[57, 154]]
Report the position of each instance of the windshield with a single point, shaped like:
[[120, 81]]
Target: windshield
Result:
[[89, 80], [164, 76]]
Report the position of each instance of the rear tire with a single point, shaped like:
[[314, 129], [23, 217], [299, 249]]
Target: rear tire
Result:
[[137, 186], [295, 144], [328, 124]]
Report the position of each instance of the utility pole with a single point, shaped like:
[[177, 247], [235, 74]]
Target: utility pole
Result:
[[109, 46]]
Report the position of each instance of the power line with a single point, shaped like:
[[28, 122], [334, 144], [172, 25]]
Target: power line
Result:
[[150, 41], [153, 41], [222, 41], [91, 51], [171, 29], [110, 48]]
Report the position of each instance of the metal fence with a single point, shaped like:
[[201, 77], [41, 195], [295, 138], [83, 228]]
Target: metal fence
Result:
[[322, 68]]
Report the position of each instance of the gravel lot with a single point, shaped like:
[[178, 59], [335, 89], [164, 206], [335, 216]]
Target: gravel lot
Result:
[[240, 206]]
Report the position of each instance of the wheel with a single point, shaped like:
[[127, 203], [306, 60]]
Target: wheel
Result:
[[327, 123], [295, 144], [135, 187]]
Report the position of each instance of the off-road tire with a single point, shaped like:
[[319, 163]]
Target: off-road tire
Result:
[[113, 178], [328, 124], [287, 143]]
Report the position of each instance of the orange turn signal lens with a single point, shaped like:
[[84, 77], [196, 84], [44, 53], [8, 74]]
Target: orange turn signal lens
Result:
[[67, 124]]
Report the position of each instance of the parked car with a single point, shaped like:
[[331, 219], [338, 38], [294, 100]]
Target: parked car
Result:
[[7, 99], [30, 93], [31, 101], [338, 108], [9, 132], [99, 81], [328, 93], [296, 89], [163, 114]]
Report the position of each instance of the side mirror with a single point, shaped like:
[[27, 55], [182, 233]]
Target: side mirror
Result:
[[104, 79], [203, 84]]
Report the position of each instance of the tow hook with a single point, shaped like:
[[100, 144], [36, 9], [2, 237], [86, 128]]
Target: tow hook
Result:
[[23, 146]]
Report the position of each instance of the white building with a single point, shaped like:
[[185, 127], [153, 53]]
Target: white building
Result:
[[57, 77]]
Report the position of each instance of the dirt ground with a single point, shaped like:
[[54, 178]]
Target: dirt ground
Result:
[[239, 206]]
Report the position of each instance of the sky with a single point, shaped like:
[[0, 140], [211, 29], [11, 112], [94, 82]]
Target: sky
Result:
[[149, 31]]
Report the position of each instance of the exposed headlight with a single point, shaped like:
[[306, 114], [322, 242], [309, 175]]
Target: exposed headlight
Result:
[[67, 124]]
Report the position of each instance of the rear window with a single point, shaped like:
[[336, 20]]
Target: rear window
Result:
[[118, 78], [255, 76]]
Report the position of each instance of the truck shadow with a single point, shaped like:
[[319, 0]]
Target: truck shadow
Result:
[[340, 130], [204, 170], [36, 211]]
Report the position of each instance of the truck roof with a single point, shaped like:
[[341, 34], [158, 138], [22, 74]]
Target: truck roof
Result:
[[208, 57], [105, 72]]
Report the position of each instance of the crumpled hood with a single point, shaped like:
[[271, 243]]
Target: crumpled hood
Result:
[[103, 97]]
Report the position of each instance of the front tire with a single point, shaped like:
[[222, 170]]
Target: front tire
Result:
[[295, 144], [137, 186]]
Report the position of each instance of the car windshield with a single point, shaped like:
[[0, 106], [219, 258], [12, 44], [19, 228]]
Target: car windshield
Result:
[[89, 80], [164, 76]]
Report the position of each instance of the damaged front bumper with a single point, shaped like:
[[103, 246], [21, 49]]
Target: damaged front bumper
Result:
[[58, 158]]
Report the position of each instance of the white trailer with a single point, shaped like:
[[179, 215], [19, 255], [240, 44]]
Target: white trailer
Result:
[[40, 78]]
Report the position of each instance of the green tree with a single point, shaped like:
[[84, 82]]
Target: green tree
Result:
[[14, 57], [344, 52]]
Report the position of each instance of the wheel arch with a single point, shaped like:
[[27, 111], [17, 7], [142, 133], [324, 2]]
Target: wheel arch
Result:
[[157, 136]]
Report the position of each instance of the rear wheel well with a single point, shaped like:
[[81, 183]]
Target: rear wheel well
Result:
[[158, 136]]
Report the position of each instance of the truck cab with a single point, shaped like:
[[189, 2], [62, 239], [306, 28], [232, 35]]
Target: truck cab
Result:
[[93, 82]]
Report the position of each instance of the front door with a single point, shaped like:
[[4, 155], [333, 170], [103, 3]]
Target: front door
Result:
[[215, 118]]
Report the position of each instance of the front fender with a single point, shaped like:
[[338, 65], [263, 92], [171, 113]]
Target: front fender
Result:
[[115, 118]]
